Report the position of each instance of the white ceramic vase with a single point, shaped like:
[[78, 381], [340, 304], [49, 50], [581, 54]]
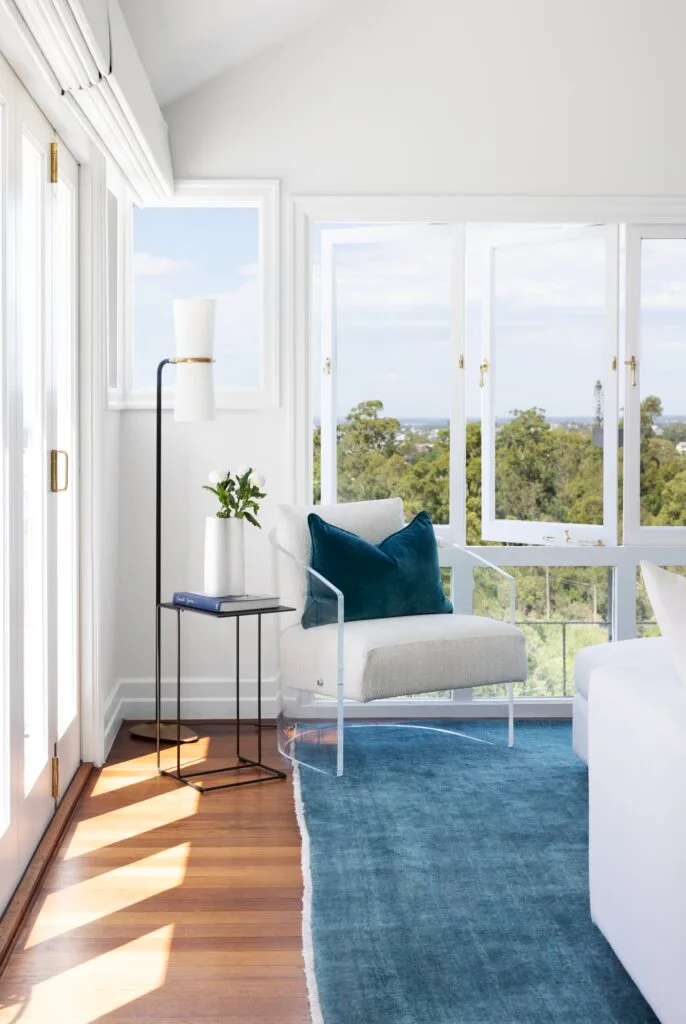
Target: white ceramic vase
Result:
[[224, 556]]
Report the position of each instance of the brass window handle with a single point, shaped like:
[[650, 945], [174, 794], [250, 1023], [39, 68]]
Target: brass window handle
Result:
[[54, 473], [633, 365], [483, 369]]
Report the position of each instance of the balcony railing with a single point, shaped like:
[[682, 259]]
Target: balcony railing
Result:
[[564, 625]]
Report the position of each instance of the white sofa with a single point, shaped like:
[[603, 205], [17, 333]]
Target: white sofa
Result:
[[636, 750], [651, 653]]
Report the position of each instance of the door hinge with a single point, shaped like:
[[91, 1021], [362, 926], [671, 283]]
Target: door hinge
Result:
[[55, 777], [53, 163]]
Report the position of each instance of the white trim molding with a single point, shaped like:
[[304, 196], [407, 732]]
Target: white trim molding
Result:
[[92, 324], [92, 61]]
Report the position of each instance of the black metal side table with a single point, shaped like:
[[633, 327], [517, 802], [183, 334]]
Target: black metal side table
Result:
[[242, 762]]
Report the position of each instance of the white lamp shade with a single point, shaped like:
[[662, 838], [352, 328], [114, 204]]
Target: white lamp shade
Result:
[[194, 328], [194, 393]]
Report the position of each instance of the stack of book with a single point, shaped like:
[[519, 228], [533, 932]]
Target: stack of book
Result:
[[227, 603]]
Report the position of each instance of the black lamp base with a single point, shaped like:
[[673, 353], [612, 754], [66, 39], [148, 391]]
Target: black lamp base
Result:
[[168, 733]]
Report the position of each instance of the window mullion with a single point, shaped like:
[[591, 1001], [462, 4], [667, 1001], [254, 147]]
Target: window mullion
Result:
[[458, 406]]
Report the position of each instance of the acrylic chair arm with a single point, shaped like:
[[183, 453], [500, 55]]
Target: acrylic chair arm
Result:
[[485, 564], [340, 605]]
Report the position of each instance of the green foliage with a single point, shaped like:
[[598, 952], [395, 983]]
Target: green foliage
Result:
[[239, 496], [543, 473]]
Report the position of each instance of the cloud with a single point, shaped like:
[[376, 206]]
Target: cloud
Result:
[[238, 321], [145, 264], [249, 270]]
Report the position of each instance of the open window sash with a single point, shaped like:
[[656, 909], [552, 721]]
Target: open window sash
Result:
[[655, 355], [496, 527], [334, 241]]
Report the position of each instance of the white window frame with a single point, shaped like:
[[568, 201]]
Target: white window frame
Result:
[[304, 213], [330, 239], [541, 532], [124, 255], [634, 532], [263, 195]]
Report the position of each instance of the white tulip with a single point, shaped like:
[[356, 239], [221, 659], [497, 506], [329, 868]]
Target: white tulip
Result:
[[242, 470], [257, 480], [217, 476]]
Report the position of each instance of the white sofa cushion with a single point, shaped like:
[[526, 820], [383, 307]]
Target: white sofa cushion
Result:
[[667, 593], [397, 656], [371, 520], [650, 652], [637, 827]]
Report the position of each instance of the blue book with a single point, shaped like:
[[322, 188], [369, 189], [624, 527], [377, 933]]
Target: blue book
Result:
[[227, 603]]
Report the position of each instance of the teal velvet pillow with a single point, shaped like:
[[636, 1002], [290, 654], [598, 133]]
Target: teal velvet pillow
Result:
[[399, 576]]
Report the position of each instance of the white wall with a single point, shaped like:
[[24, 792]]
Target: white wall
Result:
[[454, 96], [190, 451], [394, 96]]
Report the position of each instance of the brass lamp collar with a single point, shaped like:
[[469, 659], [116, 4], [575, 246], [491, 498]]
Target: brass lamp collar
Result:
[[193, 359]]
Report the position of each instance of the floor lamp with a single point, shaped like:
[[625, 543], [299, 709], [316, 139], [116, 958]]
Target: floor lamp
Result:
[[193, 403]]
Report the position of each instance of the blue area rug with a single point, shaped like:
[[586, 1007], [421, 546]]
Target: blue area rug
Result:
[[449, 882]]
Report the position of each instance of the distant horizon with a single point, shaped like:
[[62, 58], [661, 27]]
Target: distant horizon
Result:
[[435, 421]]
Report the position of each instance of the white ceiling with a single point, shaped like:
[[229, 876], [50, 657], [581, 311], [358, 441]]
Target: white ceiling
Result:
[[184, 43]]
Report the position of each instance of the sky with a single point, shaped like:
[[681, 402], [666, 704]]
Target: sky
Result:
[[393, 309], [198, 252]]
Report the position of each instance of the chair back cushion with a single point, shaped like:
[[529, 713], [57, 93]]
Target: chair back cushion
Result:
[[371, 520], [398, 577]]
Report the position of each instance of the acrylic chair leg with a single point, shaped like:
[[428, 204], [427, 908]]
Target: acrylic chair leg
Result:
[[340, 731], [510, 709]]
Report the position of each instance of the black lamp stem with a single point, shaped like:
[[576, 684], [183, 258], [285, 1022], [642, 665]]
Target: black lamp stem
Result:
[[158, 554]]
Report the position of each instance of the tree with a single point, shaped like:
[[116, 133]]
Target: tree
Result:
[[542, 473]]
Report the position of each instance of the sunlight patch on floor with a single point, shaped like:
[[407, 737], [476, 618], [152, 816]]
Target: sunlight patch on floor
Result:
[[128, 773], [102, 985], [108, 893], [132, 820]]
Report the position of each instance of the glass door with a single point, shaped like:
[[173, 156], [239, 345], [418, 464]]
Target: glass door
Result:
[[40, 738], [63, 523]]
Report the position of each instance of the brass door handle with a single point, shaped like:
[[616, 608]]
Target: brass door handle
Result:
[[633, 366], [54, 474]]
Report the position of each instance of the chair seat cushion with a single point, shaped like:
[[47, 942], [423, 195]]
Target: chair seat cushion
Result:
[[650, 653], [401, 656]]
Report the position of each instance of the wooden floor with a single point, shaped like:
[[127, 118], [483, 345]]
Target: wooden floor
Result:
[[165, 905]]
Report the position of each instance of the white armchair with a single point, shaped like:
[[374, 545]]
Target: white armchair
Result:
[[375, 659]]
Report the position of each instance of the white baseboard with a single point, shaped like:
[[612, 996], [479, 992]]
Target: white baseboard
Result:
[[113, 719], [200, 698], [215, 698], [386, 709]]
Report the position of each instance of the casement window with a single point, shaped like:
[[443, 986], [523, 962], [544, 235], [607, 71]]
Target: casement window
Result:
[[655, 478], [549, 345], [520, 379], [386, 324], [213, 240]]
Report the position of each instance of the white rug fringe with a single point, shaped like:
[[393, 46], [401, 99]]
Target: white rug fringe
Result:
[[308, 947]]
